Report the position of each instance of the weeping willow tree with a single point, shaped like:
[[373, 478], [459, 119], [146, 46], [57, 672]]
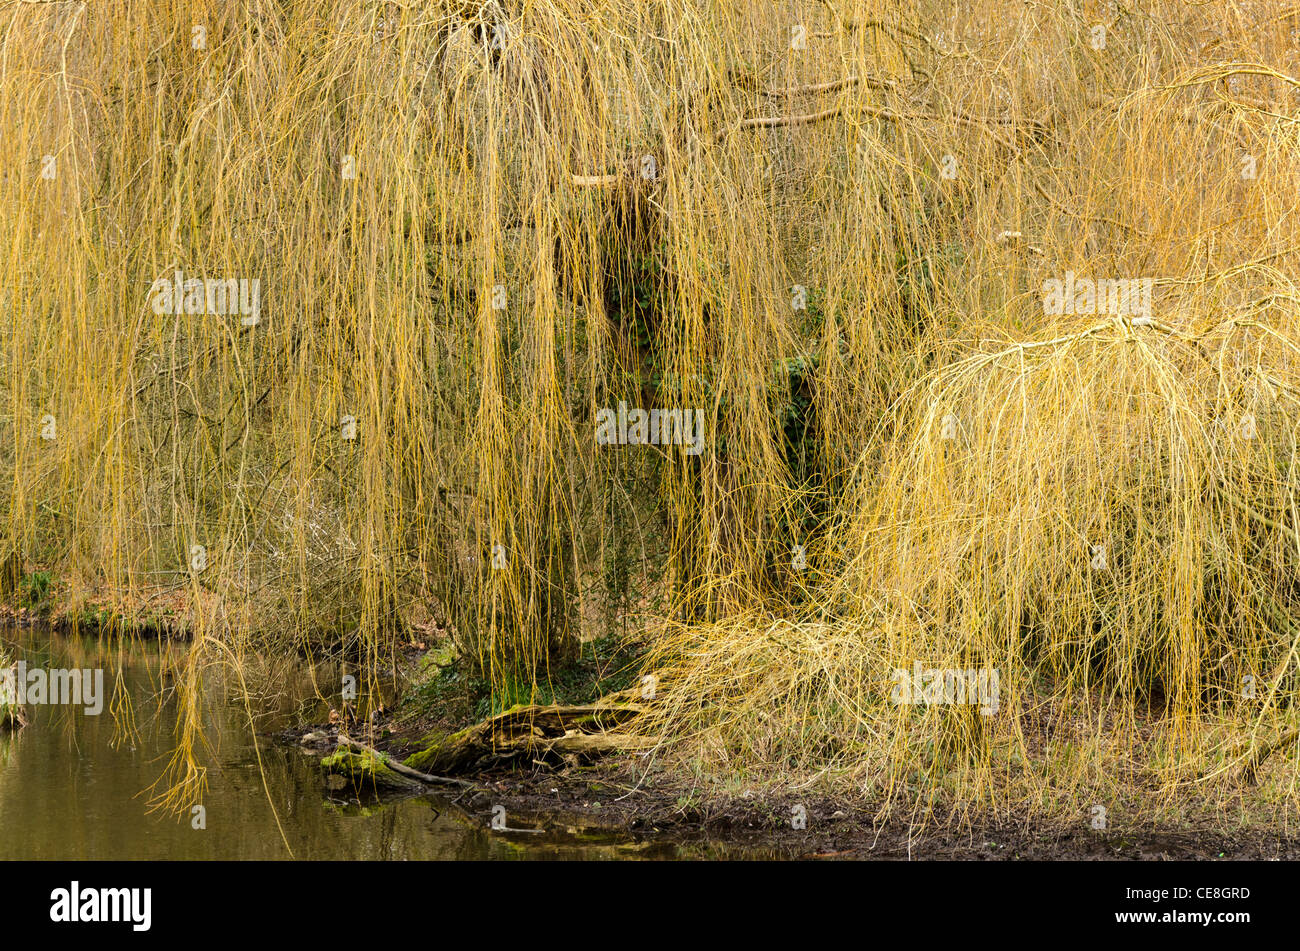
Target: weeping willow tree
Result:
[[316, 309]]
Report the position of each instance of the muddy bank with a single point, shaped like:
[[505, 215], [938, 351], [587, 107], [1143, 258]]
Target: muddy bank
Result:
[[618, 796], [533, 768], [840, 829]]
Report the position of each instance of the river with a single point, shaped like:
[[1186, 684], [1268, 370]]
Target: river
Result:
[[78, 786]]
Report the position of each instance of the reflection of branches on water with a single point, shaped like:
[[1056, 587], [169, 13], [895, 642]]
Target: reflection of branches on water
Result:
[[185, 780], [121, 710]]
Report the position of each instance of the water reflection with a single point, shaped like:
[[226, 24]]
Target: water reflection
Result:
[[74, 786]]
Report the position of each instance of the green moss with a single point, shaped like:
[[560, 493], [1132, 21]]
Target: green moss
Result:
[[440, 753], [364, 769]]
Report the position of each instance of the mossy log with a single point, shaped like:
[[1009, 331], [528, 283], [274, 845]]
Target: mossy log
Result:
[[531, 730], [365, 768], [386, 762]]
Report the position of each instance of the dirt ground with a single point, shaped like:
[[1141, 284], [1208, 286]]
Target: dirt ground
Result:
[[616, 797], [838, 830]]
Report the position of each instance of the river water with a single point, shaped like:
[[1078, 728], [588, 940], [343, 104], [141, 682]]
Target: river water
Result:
[[78, 786]]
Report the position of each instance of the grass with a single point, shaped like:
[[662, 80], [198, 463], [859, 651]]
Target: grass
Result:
[[829, 228]]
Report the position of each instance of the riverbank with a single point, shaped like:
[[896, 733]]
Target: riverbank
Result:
[[630, 795], [660, 795], [662, 798]]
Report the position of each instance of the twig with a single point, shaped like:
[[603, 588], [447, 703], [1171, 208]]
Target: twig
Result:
[[598, 181], [833, 86], [767, 122]]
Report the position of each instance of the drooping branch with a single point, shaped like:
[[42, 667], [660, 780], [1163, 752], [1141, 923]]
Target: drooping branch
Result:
[[833, 86], [768, 122], [595, 181]]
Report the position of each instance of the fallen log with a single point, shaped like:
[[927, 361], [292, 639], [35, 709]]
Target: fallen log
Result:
[[574, 742], [582, 729], [524, 730], [366, 769], [400, 768]]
